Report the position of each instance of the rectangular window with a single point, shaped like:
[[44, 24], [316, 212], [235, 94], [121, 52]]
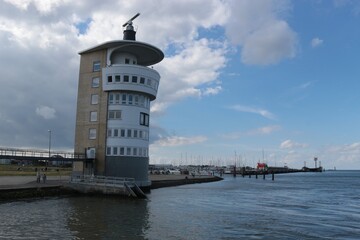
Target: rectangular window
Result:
[[140, 151], [135, 151], [108, 151], [123, 99], [126, 78], [136, 100], [115, 150], [114, 114], [142, 101], [122, 151], [92, 133], [129, 133], [95, 82], [94, 99], [109, 79], [140, 134], [130, 99], [117, 78], [117, 98], [109, 132], [142, 80], [122, 132], [149, 82], [96, 66], [128, 151], [144, 119], [134, 79], [116, 132], [111, 98], [127, 61], [135, 133], [93, 116]]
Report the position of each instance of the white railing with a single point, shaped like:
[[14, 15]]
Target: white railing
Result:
[[102, 180]]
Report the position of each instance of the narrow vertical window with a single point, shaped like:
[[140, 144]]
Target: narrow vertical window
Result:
[[128, 151], [93, 116], [127, 61], [126, 78], [135, 133], [109, 78], [129, 133], [108, 151], [123, 99], [136, 100], [116, 132], [117, 98], [94, 99], [122, 132], [109, 132], [115, 150], [142, 80], [92, 133], [111, 98], [117, 78], [122, 151], [135, 151], [130, 99]]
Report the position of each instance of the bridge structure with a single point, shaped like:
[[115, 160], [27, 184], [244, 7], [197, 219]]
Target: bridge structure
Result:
[[20, 154]]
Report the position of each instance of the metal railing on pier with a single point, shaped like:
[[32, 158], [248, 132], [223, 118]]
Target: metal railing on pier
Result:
[[102, 180], [36, 154]]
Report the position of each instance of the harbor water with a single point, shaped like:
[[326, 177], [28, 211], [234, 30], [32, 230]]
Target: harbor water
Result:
[[294, 206]]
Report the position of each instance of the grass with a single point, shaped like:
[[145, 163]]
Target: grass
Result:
[[16, 170]]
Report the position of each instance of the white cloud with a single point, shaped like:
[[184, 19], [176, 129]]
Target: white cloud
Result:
[[265, 130], [258, 28], [173, 141], [289, 144], [316, 42], [45, 112], [260, 111]]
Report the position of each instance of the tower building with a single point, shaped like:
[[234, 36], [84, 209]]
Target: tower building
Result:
[[116, 86]]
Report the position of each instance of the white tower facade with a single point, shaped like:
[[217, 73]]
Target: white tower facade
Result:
[[119, 121]]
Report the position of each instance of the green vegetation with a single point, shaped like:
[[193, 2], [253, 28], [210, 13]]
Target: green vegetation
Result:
[[17, 170]]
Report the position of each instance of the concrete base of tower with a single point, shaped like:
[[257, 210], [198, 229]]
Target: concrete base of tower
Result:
[[129, 167]]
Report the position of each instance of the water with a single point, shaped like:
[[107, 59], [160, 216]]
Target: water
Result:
[[294, 206]]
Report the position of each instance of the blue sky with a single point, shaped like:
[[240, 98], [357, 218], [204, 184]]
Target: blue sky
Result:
[[244, 77]]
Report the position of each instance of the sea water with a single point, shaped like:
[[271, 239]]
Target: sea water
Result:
[[293, 206]]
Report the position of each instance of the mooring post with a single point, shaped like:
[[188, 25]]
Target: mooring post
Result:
[[273, 176], [256, 176], [264, 176]]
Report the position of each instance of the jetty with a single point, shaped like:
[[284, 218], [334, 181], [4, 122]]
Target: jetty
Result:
[[21, 187]]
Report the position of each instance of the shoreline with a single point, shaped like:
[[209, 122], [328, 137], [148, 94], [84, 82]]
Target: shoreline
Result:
[[18, 188]]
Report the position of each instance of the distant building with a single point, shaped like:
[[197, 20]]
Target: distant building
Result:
[[116, 86]]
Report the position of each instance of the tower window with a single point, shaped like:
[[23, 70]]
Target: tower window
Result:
[[122, 132], [130, 98], [93, 116], [92, 133], [126, 78], [122, 151], [127, 61], [129, 133], [95, 82], [144, 119], [116, 132], [142, 80], [109, 79], [108, 151], [134, 79], [96, 66], [117, 78], [114, 114], [94, 99]]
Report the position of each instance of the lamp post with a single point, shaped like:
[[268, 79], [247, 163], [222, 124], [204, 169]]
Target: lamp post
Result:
[[49, 145]]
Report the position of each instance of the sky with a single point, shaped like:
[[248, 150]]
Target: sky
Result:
[[242, 81]]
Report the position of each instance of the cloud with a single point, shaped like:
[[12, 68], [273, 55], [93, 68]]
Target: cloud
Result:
[[316, 42], [248, 109], [173, 141], [289, 144], [258, 28], [190, 72], [259, 131], [45, 112]]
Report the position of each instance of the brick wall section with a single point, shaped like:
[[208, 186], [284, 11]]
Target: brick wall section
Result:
[[84, 107]]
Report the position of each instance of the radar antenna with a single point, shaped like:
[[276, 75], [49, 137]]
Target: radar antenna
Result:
[[130, 20]]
